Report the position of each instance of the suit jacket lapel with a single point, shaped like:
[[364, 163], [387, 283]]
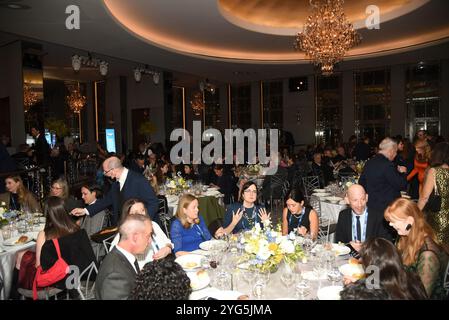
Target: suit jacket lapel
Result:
[[125, 261]]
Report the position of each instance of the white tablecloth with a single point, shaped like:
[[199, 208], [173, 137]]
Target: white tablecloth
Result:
[[275, 289], [7, 263], [173, 200], [330, 211]]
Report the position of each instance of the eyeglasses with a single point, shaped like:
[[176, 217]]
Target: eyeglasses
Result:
[[106, 172], [57, 188], [250, 191]]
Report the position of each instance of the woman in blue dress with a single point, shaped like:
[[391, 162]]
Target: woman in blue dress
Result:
[[189, 228], [244, 215]]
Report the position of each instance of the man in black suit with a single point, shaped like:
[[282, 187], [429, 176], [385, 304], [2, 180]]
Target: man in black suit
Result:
[[224, 181], [382, 179], [128, 184], [358, 224], [41, 147], [117, 275]]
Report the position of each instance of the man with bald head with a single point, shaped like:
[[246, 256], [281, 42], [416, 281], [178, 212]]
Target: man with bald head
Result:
[[117, 274], [128, 184], [357, 224]]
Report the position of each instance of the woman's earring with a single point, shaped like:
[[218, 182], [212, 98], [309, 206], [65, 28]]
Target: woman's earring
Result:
[[408, 227]]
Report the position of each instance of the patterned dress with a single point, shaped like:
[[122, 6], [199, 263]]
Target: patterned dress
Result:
[[440, 220]]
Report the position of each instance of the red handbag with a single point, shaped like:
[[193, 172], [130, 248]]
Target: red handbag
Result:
[[56, 273]]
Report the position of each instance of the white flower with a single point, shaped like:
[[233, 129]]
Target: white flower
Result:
[[171, 184], [291, 235], [2, 210], [263, 253], [257, 227], [287, 246]]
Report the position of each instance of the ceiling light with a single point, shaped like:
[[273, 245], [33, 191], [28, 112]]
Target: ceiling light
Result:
[[327, 34], [140, 71], [89, 61]]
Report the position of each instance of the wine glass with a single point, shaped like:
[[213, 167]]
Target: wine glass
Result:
[[334, 275], [288, 279], [302, 288]]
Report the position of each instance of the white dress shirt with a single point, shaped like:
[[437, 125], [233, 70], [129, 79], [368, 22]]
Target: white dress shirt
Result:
[[129, 256], [160, 240], [123, 177]]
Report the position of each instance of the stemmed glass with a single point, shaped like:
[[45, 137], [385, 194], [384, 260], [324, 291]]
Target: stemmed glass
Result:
[[302, 288], [288, 278], [261, 282], [334, 276]]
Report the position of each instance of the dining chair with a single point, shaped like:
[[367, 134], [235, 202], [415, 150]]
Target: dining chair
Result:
[[85, 288], [310, 183]]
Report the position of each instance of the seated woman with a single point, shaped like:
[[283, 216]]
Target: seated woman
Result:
[[189, 173], [162, 280], [298, 216], [73, 241], [189, 228], [18, 197], [393, 278], [244, 215], [417, 246], [160, 247], [60, 188], [162, 172]]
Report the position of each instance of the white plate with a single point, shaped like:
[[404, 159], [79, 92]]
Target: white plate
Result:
[[213, 245], [190, 262], [13, 241], [212, 189], [334, 199], [198, 280], [321, 195], [352, 270], [319, 190], [329, 293], [343, 202], [340, 249], [310, 275]]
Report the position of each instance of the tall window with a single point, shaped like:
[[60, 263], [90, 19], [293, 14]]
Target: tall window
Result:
[[272, 104], [423, 98], [372, 103], [177, 110], [241, 106], [212, 112], [329, 109]]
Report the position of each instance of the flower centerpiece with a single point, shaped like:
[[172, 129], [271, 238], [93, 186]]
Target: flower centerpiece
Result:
[[177, 184], [266, 248], [253, 169]]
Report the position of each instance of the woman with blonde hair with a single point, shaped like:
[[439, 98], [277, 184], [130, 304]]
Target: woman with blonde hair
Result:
[[189, 228], [18, 197], [421, 162], [419, 251], [60, 188]]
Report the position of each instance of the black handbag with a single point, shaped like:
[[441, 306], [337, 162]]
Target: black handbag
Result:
[[434, 202]]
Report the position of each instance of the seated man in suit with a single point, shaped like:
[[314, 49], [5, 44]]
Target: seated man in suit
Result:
[[358, 224], [117, 274]]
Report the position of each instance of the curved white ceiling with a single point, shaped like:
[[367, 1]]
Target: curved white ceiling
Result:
[[203, 29]]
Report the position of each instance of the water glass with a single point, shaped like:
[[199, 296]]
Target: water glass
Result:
[[334, 276], [288, 279], [259, 288], [6, 232], [223, 280], [302, 288], [22, 226]]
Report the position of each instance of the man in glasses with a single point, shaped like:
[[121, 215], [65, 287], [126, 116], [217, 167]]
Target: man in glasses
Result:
[[128, 184]]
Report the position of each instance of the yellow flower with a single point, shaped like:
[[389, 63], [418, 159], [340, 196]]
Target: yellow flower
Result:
[[272, 247]]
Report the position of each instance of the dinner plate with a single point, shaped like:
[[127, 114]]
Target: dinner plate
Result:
[[310, 275], [352, 270], [13, 241], [321, 195], [199, 280], [340, 249], [190, 262], [334, 199], [329, 293], [213, 245], [319, 190]]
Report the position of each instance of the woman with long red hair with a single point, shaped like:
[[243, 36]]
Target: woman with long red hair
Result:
[[417, 245]]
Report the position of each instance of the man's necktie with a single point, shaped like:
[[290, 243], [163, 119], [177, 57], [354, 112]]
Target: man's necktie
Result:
[[359, 229], [136, 265]]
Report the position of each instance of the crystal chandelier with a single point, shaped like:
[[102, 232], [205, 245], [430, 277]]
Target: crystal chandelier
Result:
[[29, 97], [76, 100], [327, 35], [197, 103]]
